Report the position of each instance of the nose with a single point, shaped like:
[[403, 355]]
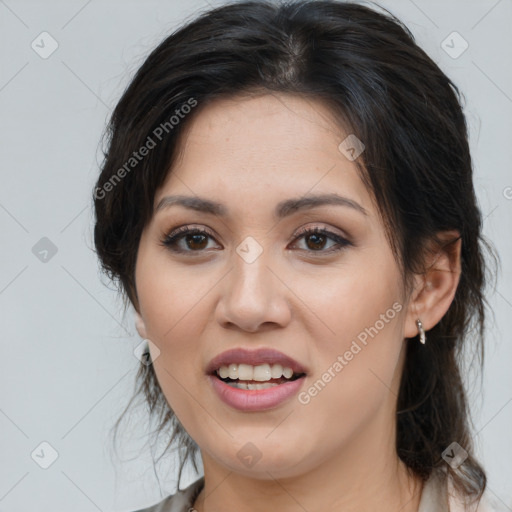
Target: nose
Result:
[[254, 297]]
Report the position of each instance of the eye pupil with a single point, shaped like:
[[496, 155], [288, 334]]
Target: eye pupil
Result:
[[196, 239], [317, 237]]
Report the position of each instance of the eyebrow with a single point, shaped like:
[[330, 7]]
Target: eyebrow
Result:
[[283, 209]]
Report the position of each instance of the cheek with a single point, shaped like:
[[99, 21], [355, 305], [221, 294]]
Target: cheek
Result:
[[174, 311], [358, 360], [172, 302], [359, 299], [174, 327], [356, 384], [170, 295]]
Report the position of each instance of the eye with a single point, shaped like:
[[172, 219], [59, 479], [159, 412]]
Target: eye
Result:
[[188, 240], [316, 238]]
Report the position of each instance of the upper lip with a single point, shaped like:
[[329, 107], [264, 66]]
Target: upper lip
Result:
[[254, 358]]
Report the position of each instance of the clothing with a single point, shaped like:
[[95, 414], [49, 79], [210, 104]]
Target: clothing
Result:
[[434, 498], [182, 501]]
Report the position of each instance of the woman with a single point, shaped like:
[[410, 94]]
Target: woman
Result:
[[287, 203]]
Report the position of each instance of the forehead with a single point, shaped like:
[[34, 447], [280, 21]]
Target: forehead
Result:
[[249, 149]]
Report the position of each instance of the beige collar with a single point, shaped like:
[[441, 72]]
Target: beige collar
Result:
[[434, 497]]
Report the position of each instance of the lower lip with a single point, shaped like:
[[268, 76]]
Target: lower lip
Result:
[[255, 399]]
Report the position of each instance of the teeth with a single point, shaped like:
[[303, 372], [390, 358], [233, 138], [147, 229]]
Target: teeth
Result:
[[276, 371], [223, 372], [260, 373], [245, 372], [287, 373], [233, 371], [246, 385]]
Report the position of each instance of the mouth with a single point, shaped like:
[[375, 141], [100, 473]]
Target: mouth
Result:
[[249, 377], [255, 380]]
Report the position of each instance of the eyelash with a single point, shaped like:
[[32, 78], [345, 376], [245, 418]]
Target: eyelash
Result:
[[170, 241]]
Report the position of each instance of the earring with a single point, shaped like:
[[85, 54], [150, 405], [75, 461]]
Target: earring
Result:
[[421, 331]]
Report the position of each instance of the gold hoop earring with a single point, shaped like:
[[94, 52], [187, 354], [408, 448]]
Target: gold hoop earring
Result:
[[421, 331]]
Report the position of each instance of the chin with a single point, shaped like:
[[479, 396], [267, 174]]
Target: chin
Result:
[[261, 460]]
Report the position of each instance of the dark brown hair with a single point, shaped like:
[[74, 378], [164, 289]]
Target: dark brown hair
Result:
[[367, 67]]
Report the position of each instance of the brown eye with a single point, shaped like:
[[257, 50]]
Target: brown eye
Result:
[[196, 242], [317, 238], [187, 240], [316, 241], [193, 240]]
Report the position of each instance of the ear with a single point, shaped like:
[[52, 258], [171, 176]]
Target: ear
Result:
[[140, 325], [435, 289]]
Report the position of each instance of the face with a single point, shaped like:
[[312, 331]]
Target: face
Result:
[[317, 283]]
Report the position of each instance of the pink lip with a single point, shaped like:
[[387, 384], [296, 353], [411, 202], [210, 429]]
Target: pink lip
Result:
[[254, 358], [255, 399]]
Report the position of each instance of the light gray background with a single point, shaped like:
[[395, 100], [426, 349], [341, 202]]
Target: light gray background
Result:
[[67, 362]]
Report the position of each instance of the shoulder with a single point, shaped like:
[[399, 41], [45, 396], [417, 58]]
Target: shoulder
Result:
[[182, 501], [486, 503], [439, 496]]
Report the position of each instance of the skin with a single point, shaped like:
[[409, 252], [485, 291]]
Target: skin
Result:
[[338, 451]]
